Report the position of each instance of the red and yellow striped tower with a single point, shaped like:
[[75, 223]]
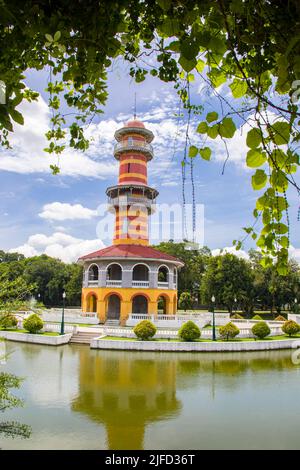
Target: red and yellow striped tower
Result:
[[132, 199], [129, 279]]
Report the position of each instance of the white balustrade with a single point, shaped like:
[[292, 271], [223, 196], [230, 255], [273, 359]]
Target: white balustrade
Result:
[[113, 282], [92, 282], [140, 284], [163, 285]]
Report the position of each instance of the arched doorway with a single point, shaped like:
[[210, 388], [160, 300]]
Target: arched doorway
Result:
[[113, 307], [140, 304], [162, 305], [92, 303]]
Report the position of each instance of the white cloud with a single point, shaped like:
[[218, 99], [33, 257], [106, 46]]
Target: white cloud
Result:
[[294, 253], [28, 141], [65, 211], [232, 250], [58, 245]]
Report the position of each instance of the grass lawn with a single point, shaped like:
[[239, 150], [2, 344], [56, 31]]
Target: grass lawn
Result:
[[236, 340], [44, 333]]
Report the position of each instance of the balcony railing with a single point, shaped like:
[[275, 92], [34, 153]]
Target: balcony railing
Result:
[[163, 285], [140, 283], [113, 282], [133, 145], [92, 282]]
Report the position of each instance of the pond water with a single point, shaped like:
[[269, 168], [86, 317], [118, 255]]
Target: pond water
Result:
[[77, 398]]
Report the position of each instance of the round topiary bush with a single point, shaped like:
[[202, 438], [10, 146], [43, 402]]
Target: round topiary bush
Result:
[[256, 317], [33, 324], [261, 329], [280, 318], [189, 331], [144, 330], [237, 316], [8, 321], [290, 328], [228, 331]]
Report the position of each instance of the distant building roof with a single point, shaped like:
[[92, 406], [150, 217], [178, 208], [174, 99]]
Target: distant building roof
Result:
[[131, 252]]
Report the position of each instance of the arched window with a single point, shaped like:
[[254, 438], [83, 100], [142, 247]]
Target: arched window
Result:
[[140, 272], [163, 275], [114, 275], [93, 274]]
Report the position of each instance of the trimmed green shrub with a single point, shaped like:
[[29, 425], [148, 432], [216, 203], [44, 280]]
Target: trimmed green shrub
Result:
[[8, 321], [189, 331], [33, 324], [280, 318], [237, 316], [290, 328], [261, 329], [144, 330], [256, 317], [185, 301], [228, 331]]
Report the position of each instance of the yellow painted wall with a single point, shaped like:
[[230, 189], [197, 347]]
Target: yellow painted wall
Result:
[[126, 295]]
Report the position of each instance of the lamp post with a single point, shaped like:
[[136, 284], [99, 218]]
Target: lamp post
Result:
[[295, 302], [213, 299], [235, 303], [62, 325]]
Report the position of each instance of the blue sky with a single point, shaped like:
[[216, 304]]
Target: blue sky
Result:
[[57, 214]]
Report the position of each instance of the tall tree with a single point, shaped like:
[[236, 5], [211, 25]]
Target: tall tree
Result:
[[228, 277]]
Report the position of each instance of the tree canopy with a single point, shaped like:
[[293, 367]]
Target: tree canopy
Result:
[[252, 45]]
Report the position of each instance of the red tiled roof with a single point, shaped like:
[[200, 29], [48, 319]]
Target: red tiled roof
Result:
[[134, 123], [130, 251]]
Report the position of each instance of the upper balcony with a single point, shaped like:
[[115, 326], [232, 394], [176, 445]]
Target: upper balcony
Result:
[[135, 146]]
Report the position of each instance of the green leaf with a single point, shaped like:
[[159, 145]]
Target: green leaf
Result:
[[17, 117], [193, 151], [281, 228], [227, 128], [254, 138], [213, 116], [205, 153], [187, 65], [202, 128], [255, 158], [259, 179], [218, 45], [200, 65], [170, 27], [238, 88], [217, 77], [49, 37], [57, 36], [189, 48], [280, 132], [284, 241], [55, 169], [164, 4], [279, 181], [213, 131]]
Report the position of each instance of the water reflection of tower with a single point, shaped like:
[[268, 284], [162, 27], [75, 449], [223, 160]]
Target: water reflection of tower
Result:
[[126, 394]]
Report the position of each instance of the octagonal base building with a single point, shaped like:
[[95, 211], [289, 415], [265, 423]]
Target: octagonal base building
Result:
[[130, 277]]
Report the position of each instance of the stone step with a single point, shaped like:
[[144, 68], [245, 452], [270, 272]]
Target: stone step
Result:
[[112, 323], [83, 337]]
